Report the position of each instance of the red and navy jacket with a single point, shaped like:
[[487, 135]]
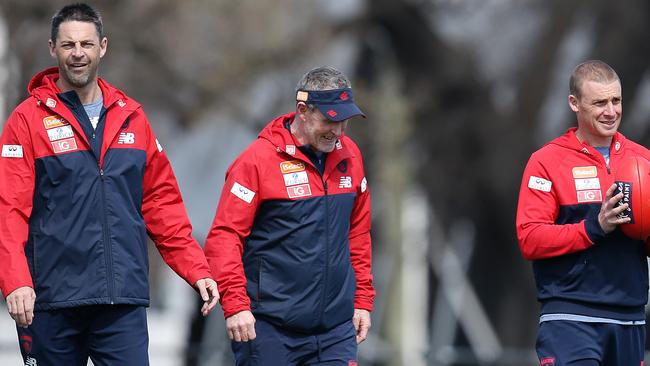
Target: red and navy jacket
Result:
[[76, 207], [578, 268], [289, 244]]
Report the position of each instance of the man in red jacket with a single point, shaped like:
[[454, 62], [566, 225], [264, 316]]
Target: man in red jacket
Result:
[[290, 244], [83, 179], [592, 280]]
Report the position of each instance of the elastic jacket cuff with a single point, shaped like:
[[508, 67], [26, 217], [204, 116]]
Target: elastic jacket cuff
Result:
[[593, 229]]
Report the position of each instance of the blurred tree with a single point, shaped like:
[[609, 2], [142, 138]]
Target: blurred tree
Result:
[[186, 61]]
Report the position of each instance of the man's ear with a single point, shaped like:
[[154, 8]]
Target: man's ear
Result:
[[51, 46], [573, 103], [301, 109], [103, 46]]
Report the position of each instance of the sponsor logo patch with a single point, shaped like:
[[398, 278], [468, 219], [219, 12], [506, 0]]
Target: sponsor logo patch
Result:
[[302, 96], [593, 195], [291, 166], [242, 192], [30, 361], [291, 149], [126, 138], [345, 182], [12, 151], [293, 179], [339, 145], [50, 102], [64, 145], [364, 184], [587, 183], [54, 121], [302, 190], [585, 172], [121, 103], [626, 189], [539, 184], [59, 133]]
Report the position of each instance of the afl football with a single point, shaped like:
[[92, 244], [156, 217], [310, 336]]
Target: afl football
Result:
[[633, 179]]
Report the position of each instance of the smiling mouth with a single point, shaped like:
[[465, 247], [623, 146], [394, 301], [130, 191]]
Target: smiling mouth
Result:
[[77, 66]]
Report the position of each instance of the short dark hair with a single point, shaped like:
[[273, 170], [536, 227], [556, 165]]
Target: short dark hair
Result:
[[79, 12], [592, 70]]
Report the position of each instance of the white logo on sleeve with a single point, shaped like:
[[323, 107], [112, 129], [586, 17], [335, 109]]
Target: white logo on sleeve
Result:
[[364, 184], [539, 184], [242, 192], [12, 151], [159, 146]]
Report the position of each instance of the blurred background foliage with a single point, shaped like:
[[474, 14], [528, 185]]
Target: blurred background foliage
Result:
[[458, 94]]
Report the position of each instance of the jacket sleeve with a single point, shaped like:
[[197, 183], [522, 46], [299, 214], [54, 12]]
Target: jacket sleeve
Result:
[[17, 181], [233, 221], [538, 207], [166, 218], [361, 247]]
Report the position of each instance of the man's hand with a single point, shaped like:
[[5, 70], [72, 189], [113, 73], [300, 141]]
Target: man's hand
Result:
[[20, 304], [241, 326], [607, 217], [361, 321], [209, 293]]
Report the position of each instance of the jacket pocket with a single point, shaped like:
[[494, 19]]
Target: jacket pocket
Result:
[[260, 270], [30, 251]]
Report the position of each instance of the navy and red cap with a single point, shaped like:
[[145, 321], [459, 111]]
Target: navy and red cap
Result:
[[335, 104]]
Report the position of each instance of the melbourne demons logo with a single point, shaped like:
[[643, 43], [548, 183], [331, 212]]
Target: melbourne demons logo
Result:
[[547, 361], [26, 343]]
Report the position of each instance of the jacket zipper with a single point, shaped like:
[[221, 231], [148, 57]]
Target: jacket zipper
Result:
[[108, 252], [327, 251], [327, 239]]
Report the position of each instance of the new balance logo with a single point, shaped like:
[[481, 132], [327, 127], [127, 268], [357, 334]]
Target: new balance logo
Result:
[[30, 361], [126, 138]]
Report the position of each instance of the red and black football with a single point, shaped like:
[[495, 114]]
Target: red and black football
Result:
[[633, 179]]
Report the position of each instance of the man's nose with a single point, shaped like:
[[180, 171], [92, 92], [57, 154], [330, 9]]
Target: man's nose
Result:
[[338, 128], [610, 109], [77, 51]]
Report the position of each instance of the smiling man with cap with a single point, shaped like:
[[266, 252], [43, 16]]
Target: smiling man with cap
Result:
[[290, 244]]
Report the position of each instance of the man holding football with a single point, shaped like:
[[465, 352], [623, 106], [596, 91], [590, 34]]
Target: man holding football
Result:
[[592, 279]]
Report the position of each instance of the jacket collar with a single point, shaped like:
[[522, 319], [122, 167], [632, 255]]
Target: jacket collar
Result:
[[117, 104], [278, 133]]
